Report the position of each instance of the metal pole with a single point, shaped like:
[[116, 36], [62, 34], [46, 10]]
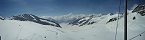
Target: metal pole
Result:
[[0, 37], [125, 21]]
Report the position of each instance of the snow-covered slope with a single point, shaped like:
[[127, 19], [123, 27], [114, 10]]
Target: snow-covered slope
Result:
[[136, 27], [101, 27], [27, 30], [87, 20], [1, 18], [33, 18], [69, 17]]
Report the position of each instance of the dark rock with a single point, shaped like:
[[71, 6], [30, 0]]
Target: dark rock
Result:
[[83, 21], [142, 13], [140, 9], [1, 18], [111, 20], [33, 18], [134, 18]]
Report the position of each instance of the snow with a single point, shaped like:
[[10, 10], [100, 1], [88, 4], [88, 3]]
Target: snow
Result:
[[68, 18], [136, 26], [48, 22], [26, 30], [1, 18], [33, 17], [17, 30]]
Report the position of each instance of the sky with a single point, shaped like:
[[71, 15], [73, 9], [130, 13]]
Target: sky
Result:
[[62, 7]]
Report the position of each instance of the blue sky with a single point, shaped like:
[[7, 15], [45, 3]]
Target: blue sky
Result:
[[61, 7]]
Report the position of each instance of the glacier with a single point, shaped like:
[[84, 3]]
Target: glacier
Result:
[[72, 27]]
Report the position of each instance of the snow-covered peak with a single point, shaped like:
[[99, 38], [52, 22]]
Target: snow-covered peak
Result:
[[114, 17], [87, 20], [24, 17], [69, 17], [93, 26], [1, 18], [36, 19], [139, 9]]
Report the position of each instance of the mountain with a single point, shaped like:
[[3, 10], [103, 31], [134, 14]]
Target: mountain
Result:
[[65, 18], [24, 27], [83, 21], [114, 17], [93, 27], [140, 9], [73, 19], [33, 18], [1, 18]]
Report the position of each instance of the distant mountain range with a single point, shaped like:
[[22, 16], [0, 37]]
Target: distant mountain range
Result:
[[71, 19], [74, 27]]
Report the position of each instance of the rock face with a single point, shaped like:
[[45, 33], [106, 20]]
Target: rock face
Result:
[[1, 18], [134, 18], [83, 21], [111, 20], [115, 18], [33, 18], [140, 9]]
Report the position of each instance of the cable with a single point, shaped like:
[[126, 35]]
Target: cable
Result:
[[117, 20], [137, 35], [140, 2]]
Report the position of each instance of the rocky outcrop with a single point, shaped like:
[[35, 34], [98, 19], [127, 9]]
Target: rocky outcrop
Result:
[[111, 20], [140, 9], [83, 21], [1, 18], [33, 18]]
